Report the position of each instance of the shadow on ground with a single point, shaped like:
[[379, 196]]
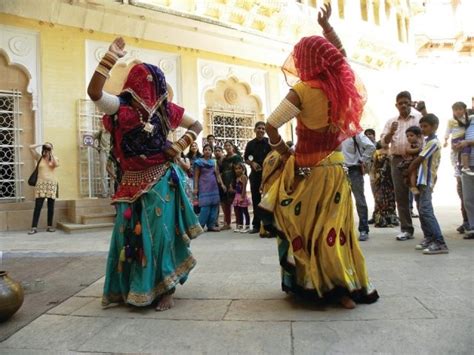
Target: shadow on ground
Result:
[[48, 282]]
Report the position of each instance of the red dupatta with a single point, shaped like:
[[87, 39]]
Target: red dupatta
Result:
[[319, 64]]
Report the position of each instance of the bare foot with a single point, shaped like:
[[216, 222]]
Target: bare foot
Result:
[[165, 303], [347, 302]]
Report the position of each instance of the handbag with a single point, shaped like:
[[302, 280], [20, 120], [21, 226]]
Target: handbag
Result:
[[32, 180]]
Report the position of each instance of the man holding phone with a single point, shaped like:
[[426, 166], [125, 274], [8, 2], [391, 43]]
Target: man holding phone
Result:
[[394, 138]]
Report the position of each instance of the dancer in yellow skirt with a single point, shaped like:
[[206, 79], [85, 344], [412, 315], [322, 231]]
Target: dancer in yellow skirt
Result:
[[308, 191]]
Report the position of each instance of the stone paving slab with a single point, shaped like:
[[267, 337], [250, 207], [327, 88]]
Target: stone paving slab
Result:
[[433, 336], [71, 305], [233, 303], [88, 334], [449, 307], [94, 290], [406, 288], [209, 310], [290, 310], [56, 333], [31, 352], [231, 290]]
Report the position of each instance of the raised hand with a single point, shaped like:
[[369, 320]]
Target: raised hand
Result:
[[323, 16], [394, 127], [118, 47]]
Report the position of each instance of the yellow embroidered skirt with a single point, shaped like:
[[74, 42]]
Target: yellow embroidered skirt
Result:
[[317, 242]]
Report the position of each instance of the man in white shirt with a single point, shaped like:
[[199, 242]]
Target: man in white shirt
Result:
[[468, 180], [102, 138], [394, 137], [358, 152]]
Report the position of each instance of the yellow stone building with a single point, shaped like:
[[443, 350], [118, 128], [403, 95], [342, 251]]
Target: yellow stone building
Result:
[[221, 59]]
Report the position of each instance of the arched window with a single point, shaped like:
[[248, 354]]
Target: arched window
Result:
[[376, 10], [16, 132], [364, 10], [342, 4], [388, 8], [407, 28], [231, 112], [400, 27]]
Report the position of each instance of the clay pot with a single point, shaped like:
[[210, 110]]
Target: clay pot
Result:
[[11, 296]]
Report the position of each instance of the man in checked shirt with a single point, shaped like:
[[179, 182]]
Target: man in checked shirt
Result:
[[393, 137]]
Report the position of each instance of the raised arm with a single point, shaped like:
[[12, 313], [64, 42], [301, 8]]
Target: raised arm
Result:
[[34, 152], [286, 110], [116, 51], [106, 102], [328, 31], [388, 133]]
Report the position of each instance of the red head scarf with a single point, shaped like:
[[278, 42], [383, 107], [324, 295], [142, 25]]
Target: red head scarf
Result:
[[147, 85], [321, 65]]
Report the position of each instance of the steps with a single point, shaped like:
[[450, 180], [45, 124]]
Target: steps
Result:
[[88, 215], [75, 228], [98, 218]]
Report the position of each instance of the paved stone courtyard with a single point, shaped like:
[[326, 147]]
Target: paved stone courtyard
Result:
[[232, 303]]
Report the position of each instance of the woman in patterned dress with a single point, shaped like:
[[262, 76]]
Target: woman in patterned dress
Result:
[[311, 198], [149, 251]]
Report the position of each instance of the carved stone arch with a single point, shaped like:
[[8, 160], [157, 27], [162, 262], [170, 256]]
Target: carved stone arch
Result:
[[231, 111], [20, 48], [20, 66], [233, 93]]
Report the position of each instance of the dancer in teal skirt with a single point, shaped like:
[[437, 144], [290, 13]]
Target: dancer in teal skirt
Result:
[[149, 251]]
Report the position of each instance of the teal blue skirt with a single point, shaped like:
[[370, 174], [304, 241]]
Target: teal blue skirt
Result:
[[168, 224]]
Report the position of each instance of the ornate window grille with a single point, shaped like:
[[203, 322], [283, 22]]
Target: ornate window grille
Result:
[[90, 179], [234, 126], [10, 159]]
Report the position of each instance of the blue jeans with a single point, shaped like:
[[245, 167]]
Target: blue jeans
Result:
[[208, 216], [357, 183], [428, 221]]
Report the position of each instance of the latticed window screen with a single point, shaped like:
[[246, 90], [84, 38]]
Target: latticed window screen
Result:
[[10, 159], [237, 127], [89, 161]]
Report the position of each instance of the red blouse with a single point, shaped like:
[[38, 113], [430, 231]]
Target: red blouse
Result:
[[141, 172]]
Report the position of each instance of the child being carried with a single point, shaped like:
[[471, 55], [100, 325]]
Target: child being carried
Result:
[[415, 139]]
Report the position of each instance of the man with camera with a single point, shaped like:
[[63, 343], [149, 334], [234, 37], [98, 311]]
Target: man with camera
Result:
[[358, 152]]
